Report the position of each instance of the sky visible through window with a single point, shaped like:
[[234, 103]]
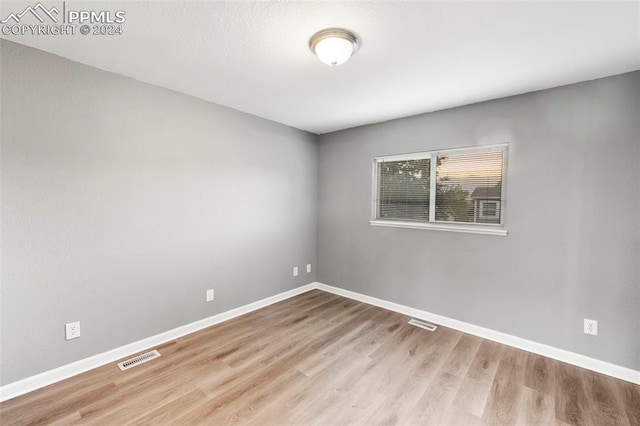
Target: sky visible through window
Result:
[[471, 170]]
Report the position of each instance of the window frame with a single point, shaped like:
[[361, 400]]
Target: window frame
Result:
[[473, 228]]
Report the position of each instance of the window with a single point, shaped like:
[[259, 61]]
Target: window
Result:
[[457, 190], [489, 209]]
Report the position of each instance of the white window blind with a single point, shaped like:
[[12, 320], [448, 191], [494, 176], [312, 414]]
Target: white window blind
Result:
[[459, 187], [466, 183], [404, 189]]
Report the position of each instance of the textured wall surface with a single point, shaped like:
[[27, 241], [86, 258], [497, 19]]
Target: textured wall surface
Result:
[[123, 202], [572, 213]]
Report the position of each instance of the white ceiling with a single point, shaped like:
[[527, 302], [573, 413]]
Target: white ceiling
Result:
[[416, 56]]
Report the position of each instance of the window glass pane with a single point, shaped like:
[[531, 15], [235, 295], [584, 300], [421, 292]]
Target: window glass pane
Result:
[[489, 208], [403, 189], [469, 187]]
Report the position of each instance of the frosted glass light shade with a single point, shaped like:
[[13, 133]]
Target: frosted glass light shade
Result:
[[333, 46], [334, 51]]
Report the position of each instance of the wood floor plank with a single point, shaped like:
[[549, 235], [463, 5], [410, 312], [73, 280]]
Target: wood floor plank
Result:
[[393, 364], [536, 408], [340, 379], [235, 407], [605, 402], [167, 413], [472, 396], [442, 390], [571, 403], [485, 364], [321, 359], [433, 406], [406, 387], [279, 366], [70, 388], [503, 402], [458, 416], [317, 362], [60, 407], [377, 332], [463, 355], [146, 397], [540, 374], [334, 388], [298, 405], [631, 400], [69, 419], [355, 394]]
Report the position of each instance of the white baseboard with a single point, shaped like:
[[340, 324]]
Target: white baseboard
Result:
[[592, 364], [41, 380]]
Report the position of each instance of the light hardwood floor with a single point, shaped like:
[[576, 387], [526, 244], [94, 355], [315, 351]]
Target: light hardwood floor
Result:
[[322, 359]]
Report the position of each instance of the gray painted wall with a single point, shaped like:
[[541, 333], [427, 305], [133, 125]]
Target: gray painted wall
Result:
[[123, 202], [573, 203]]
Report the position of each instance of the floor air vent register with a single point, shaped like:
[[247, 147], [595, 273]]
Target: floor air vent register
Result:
[[140, 359], [423, 324]]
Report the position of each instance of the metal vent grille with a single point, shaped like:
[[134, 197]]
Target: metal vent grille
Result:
[[423, 324], [140, 359]]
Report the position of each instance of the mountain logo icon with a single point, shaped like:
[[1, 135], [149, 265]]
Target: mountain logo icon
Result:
[[38, 11]]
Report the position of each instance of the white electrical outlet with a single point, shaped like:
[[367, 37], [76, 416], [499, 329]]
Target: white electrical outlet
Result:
[[295, 271], [72, 330], [209, 295], [590, 327], [308, 268]]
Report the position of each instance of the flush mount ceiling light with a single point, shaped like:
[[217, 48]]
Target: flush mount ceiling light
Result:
[[334, 46]]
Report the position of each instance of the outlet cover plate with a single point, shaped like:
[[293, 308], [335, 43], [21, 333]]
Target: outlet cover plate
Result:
[[308, 268], [72, 330], [210, 295], [295, 271], [590, 327]]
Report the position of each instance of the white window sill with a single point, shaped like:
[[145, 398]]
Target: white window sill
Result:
[[470, 229]]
